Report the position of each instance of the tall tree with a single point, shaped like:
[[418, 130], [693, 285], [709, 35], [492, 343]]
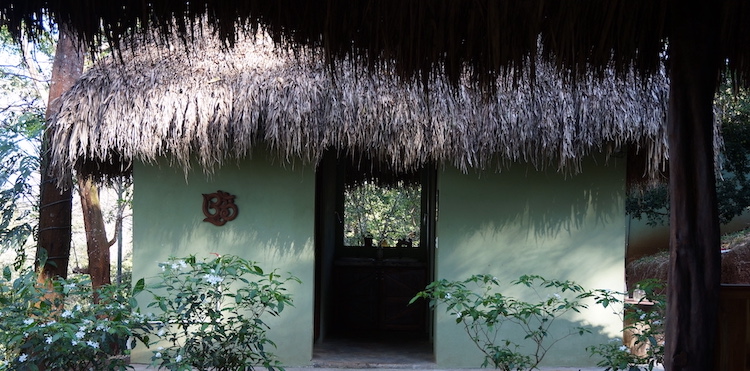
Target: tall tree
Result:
[[695, 258], [55, 207], [97, 244]]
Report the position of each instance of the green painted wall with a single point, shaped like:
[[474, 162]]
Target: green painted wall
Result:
[[274, 226], [520, 221], [523, 221]]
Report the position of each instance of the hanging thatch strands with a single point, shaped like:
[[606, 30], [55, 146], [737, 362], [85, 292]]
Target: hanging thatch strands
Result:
[[213, 105], [418, 37]]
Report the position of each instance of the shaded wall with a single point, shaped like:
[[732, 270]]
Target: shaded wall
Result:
[[274, 226], [520, 221], [524, 221]]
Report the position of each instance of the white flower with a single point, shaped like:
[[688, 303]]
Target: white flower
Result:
[[178, 358], [48, 339], [67, 314], [69, 286], [80, 334], [458, 315], [74, 342], [93, 344], [623, 348], [447, 295], [213, 279], [157, 355], [28, 321], [23, 357]]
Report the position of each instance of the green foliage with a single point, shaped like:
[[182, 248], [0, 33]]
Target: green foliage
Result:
[[59, 327], [18, 171], [212, 313], [23, 85], [732, 187], [645, 320], [651, 203], [486, 314], [384, 213]]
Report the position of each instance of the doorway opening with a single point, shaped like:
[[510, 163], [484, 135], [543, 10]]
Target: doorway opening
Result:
[[375, 239]]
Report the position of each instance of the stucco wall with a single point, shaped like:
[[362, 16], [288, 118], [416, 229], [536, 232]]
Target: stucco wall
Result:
[[274, 226], [523, 221], [520, 221]]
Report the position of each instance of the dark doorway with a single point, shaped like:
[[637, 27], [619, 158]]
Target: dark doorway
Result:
[[374, 251]]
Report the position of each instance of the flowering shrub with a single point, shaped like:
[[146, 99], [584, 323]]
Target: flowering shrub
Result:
[[59, 327], [212, 313], [485, 314], [644, 320]]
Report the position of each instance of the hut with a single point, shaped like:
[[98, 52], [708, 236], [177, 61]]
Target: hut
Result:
[[701, 41], [529, 179]]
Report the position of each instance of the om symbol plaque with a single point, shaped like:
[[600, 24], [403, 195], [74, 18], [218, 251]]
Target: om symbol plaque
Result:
[[219, 208]]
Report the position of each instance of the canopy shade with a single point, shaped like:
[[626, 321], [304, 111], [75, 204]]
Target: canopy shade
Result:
[[214, 105]]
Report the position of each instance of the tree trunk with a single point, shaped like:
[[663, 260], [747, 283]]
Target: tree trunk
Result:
[[97, 244], [55, 205], [694, 275]]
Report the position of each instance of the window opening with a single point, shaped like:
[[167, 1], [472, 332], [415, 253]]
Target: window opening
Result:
[[377, 215]]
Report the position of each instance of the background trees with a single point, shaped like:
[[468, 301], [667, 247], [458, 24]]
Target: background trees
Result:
[[387, 214], [26, 77], [732, 187]]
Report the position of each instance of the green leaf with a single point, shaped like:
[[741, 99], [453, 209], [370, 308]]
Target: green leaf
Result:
[[139, 286]]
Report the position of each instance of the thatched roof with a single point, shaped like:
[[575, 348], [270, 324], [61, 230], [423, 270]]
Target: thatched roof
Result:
[[491, 38], [216, 105], [488, 36]]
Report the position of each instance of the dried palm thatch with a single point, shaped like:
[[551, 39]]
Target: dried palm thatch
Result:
[[419, 36], [735, 266], [215, 105]]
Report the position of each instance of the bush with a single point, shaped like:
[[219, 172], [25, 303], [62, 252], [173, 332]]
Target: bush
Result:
[[485, 313], [645, 321], [58, 326], [212, 313]]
